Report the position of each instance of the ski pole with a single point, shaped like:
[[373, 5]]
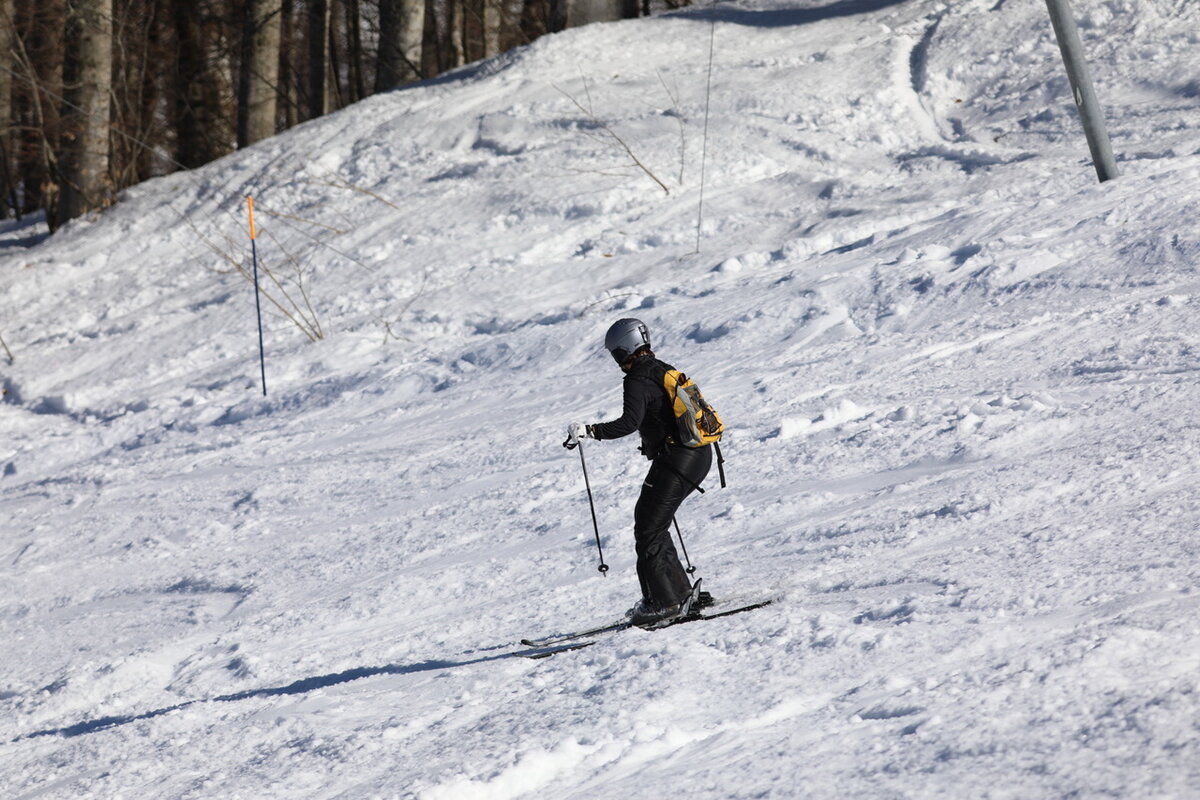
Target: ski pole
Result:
[[591, 503], [690, 569]]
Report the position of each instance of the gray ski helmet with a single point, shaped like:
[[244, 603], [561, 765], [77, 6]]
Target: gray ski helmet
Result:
[[625, 337]]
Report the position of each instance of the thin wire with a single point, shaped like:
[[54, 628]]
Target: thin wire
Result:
[[712, 38]]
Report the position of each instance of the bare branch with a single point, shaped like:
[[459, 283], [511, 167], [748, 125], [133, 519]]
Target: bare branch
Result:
[[387, 325], [678, 118], [607, 129], [338, 184], [277, 215]]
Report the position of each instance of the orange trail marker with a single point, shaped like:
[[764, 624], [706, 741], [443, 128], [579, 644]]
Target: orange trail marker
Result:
[[262, 358]]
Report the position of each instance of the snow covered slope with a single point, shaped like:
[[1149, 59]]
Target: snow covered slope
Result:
[[959, 378]]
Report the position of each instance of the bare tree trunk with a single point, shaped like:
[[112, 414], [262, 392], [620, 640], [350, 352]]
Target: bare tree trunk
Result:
[[334, 99], [259, 79], [289, 65], [153, 132], [472, 30], [558, 16], [412, 39], [354, 49], [202, 98], [401, 35], [87, 79], [39, 53], [318, 44], [513, 12], [389, 63], [492, 26], [8, 30], [532, 19], [584, 12], [458, 24], [137, 68]]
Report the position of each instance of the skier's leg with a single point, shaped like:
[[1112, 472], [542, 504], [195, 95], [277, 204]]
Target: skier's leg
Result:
[[672, 477]]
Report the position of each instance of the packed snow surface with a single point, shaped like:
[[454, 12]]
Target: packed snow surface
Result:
[[959, 377]]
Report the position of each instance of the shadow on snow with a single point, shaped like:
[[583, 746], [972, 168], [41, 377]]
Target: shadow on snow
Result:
[[785, 17], [302, 686]]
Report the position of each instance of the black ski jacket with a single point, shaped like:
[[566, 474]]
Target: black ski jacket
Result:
[[647, 408]]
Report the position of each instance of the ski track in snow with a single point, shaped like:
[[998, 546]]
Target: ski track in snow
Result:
[[958, 377]]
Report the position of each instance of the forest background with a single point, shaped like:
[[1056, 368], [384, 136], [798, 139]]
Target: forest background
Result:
[[99, 95]]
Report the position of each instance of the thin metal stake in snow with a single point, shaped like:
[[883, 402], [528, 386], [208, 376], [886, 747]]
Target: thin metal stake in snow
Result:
[[1081, 86], [712, 39], [262, 358]]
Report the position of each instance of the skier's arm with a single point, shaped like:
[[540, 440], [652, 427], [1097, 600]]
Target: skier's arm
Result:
[[631, 418]]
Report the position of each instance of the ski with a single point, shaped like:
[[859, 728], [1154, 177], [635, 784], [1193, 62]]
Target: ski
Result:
[[566, 637], [611, 628], [549, 641], [715, 615], [546, 652]]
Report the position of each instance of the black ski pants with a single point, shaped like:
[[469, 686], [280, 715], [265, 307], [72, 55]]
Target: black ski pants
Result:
[[672, 477]]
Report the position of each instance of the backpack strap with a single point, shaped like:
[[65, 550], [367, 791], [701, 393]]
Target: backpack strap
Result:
[[720, 463]]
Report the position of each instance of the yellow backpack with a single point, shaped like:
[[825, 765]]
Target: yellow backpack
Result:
[[696, 423]]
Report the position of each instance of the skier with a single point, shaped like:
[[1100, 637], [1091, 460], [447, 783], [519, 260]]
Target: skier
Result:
[[675, 472]]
